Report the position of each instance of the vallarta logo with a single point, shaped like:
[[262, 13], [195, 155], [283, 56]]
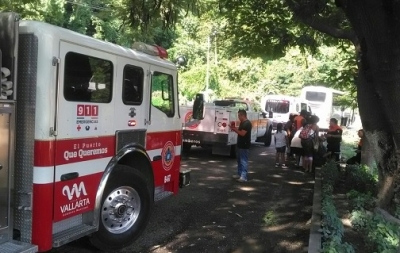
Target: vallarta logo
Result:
[[76, 190], [78, 204]]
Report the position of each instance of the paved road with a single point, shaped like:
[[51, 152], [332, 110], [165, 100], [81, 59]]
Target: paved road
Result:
[[269, 213]]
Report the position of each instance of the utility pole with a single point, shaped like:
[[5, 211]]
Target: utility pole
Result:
[[215, 50], [208, 64]]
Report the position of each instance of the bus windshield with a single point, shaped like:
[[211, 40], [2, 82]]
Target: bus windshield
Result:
[[229, 103], [277, 106], [315, 96]]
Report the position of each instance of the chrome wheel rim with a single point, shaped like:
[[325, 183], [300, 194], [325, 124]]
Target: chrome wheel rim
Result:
[[121, 209]]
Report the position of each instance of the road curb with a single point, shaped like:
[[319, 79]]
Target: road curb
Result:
[[314, 242]]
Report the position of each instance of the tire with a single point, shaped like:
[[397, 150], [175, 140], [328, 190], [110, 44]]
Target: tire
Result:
[[120, 224], [268, 137], [232, 153]]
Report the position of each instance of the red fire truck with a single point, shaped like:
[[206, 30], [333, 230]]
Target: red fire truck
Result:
[[90, 137]]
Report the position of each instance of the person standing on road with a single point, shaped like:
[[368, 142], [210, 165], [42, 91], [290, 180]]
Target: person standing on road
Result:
[[243, 145], [281, 140], [308, 135], [334, 138], [290, 133]]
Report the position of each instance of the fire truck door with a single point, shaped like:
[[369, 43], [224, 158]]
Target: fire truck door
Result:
[[85, 135], [164, 131], [131, 102]]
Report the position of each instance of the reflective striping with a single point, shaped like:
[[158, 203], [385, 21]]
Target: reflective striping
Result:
[[71, 151], [82, 168], [43, 175]]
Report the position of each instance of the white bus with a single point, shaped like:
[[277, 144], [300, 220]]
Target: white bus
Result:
[[281, 106], [322, 102]]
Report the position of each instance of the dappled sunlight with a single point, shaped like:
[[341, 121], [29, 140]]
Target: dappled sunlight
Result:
[[276, 228], [247, 188], [296, 245], [295, 183], [211, 161], [216, 178], [234, 215]]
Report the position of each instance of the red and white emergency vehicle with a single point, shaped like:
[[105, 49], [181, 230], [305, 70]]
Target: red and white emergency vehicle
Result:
[[213, 129], [90, 137]]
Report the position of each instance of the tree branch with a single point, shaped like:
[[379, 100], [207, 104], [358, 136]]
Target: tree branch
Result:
[[321, 24]]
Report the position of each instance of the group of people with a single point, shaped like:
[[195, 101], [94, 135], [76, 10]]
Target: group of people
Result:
[[300, 137]]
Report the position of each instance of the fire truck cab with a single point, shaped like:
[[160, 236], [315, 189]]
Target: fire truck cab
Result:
[[90, 137]]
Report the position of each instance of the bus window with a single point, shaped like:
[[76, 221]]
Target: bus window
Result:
[[304, 106], [315, 96], [277, 106]]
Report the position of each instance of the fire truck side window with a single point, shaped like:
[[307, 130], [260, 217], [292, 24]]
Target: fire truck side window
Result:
[[87, 79], [132, 93], [162, 93]]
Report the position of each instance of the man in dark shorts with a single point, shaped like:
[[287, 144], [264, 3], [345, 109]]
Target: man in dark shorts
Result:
[[243, 145]]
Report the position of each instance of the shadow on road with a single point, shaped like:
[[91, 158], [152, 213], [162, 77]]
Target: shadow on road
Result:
[[269, 213]]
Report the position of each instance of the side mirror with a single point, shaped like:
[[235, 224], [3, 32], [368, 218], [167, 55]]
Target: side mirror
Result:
[[270, 114], [198, 107]]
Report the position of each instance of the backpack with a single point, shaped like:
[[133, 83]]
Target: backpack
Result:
[[305, 132]]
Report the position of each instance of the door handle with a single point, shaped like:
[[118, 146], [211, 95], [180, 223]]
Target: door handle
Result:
[[69, 176], [157, 157], [1, 166]]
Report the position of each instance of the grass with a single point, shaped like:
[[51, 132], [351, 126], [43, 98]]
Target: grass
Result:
[[270, 218]]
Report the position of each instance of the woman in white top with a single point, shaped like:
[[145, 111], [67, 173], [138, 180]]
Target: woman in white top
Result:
[[296, 147], [281, 140]]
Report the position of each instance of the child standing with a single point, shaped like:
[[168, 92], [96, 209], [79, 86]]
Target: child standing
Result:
[[281, 140]]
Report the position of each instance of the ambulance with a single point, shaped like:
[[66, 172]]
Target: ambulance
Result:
[[90, 137], [281, 106]]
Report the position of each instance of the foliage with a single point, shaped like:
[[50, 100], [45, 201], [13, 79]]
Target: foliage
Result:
[[361, 179], [331, 225], [381, 235], [330, 174], [335, 245], [270, 29], [361, 201]]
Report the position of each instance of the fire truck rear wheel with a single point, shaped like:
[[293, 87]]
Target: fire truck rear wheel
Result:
[[268, 138], [125, 209]]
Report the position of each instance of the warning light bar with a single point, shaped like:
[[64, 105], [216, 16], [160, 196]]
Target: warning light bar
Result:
[[150, 49]]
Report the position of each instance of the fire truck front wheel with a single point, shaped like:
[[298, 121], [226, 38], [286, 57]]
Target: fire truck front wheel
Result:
[[125, 209]]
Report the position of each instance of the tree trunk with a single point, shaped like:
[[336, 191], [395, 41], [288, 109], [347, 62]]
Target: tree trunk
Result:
[[376, 25]]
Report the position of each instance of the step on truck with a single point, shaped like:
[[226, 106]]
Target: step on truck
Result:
[[90, 137], [213, 130]]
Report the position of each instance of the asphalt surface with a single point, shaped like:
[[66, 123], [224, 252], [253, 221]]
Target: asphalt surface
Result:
[[269, 213]]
